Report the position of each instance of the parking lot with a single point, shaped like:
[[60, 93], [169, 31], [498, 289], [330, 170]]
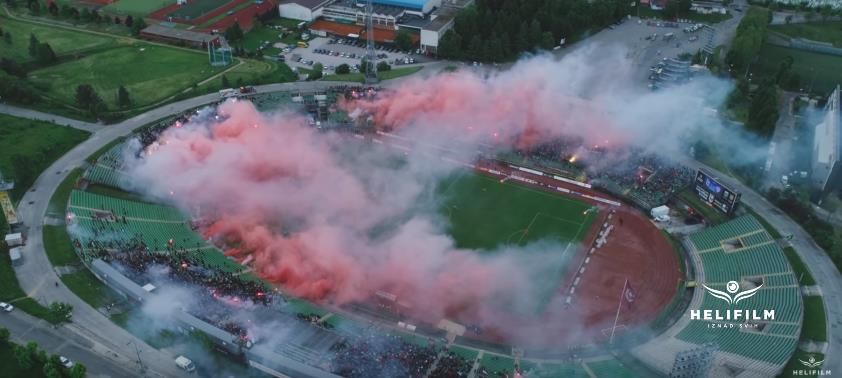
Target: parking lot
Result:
[[332, 52]]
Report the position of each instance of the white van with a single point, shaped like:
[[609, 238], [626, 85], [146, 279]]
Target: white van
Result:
[[185, 363]]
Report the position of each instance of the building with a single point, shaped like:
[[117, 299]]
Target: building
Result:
[[708, 7], [178, 36], [304, 10], [827, 147], [432, 33], [423, 6]]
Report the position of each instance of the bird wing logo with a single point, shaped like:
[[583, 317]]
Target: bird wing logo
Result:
[[732, 287], [719, 294], [746, 294], [811, 362]]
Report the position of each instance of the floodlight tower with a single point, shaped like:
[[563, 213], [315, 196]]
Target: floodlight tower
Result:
[[370, 56]]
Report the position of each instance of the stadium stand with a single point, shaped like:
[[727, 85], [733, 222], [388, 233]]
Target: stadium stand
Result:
[[739, 250]]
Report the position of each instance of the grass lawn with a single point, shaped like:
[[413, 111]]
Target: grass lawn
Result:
[[819, 71], [398, 72], [61, 40], [58, 246], [58, 202], [255, 72], [486, 214], [385, 75], [798, 267], [86, 286], [497, 365], [136, 7], [817, 31], [11, 367], [150, 73], [814, 327], [10, 291], [28, 147], [258, 34]]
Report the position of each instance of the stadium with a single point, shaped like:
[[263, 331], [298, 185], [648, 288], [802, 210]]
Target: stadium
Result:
[[544, 262]]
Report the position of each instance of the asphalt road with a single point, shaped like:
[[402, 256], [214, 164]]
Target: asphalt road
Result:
[[37, 277], [65, 342], [821, 267], [111, 342]]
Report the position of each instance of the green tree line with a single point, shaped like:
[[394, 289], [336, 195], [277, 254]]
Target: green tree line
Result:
[[500, 30]]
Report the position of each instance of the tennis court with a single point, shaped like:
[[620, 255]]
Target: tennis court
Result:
[[197, 8]]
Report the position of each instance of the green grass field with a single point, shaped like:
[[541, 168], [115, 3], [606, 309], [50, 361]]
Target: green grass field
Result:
[[818, 31], [62, 41], [815, 322], [385, 75], [28, 147], [486, 214], [58, 246], [817, 71], [150, 73], [198, 8], [137, 7]]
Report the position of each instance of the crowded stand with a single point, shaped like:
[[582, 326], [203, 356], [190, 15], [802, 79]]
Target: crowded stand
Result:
[[378, 355]]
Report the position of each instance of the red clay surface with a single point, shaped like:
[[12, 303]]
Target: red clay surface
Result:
[[635, 250]]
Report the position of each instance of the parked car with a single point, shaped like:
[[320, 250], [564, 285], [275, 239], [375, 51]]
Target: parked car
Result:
[[6, 307], [65, 362]]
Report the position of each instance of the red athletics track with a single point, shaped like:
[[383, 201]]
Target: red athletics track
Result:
[[636, 250]]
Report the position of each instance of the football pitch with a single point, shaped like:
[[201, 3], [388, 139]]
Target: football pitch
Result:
[[485, 213]]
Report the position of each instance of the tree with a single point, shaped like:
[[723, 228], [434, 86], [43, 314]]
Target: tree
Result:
[[85, 16], [763, 110], [123, 99], [45, 53], [129, 21], [117, 20], [403, 40], [33, 45], [23, 357], [450, 45], [53, 9], [77, 371], [383, 66], [343, 69], [225, 82], [7, 37], [317, 72], [137, 26], [63, 310], [234, 33], [4, 337]]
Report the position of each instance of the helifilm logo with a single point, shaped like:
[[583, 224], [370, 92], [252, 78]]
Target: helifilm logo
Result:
[[735, 318], [812, 368]]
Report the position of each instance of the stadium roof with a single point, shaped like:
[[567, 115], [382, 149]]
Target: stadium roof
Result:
[[409, 4], [310, 4], [184, 35]]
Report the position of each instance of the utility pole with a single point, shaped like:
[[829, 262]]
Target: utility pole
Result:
[[370, 56]]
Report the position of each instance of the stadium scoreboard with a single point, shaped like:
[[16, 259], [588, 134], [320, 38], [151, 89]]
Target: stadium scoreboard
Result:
[[715, 193]]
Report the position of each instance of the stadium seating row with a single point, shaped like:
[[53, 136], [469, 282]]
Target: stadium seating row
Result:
[[757, 255]]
